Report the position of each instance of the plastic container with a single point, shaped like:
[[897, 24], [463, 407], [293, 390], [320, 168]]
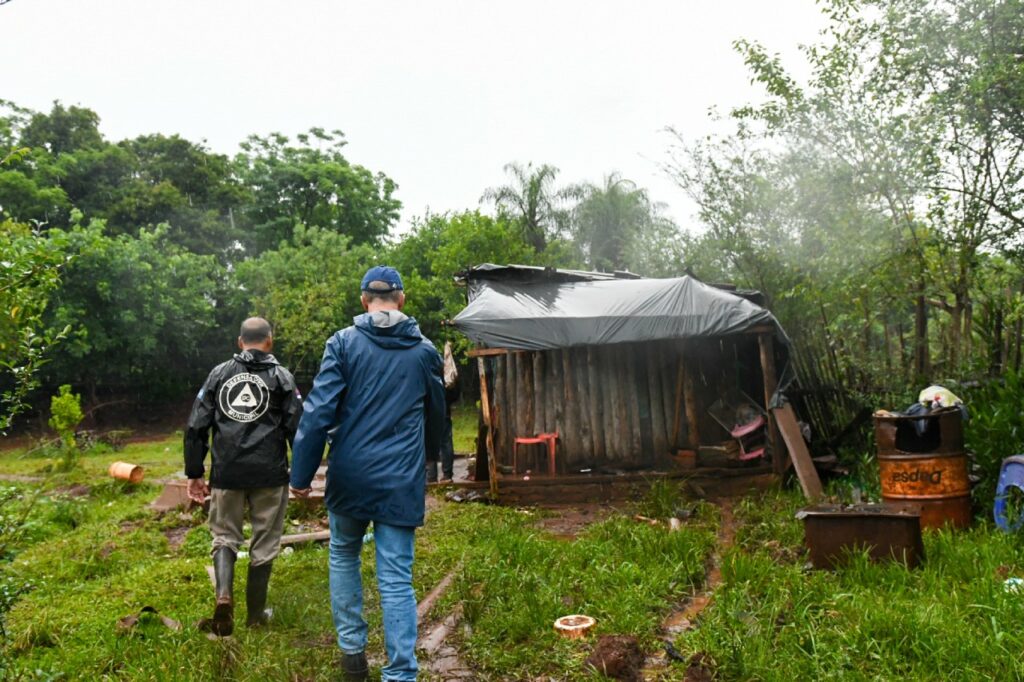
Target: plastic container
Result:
[[126, 471]]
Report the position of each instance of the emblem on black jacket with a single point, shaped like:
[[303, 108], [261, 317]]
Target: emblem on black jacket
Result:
[[244, 397]]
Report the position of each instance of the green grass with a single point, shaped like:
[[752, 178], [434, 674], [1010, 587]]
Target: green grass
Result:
[[91, 552], [159, 458], [774, 620], [464, 427]]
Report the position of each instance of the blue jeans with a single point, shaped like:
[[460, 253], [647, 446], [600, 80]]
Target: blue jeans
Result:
[[394, 547]]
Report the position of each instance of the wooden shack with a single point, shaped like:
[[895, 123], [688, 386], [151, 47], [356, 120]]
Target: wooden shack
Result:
[[623, 369]]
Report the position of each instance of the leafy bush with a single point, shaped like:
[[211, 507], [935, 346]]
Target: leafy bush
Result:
[[995, 431], [66, 415]]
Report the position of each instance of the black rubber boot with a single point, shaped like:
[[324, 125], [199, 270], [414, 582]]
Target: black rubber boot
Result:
[[222, 623], [256, 595], [354, 667]]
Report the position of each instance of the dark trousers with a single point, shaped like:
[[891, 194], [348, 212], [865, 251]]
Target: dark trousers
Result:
[[447, 453]]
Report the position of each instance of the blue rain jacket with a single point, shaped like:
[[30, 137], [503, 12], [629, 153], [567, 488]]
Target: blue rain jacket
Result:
[[380, 396]]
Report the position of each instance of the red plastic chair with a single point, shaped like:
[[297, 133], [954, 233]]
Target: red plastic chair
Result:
[[546, 439]]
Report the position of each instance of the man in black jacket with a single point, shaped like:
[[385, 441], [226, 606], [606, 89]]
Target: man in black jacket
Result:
[[253, 407]]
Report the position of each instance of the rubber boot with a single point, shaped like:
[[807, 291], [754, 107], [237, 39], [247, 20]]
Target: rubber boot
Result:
[[256, 595], [222, 623], [354, 667]]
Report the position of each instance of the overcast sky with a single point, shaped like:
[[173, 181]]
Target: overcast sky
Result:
[[437, 95]]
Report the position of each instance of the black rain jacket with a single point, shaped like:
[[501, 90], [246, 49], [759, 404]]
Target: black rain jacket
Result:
[[253, 406]]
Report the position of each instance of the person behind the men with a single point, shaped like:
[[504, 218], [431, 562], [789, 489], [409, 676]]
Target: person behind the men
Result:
[[380, 396], [452, 391], [253, 407]]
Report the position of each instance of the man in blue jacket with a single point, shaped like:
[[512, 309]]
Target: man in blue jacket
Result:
[[379, 401]]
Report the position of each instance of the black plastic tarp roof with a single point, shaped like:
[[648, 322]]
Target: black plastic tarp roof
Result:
[[549, 312]]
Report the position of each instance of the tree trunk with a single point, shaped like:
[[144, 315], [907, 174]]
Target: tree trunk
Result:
[[922, 365]]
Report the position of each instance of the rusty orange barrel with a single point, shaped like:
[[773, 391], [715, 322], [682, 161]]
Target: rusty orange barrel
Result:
[[926, 468]]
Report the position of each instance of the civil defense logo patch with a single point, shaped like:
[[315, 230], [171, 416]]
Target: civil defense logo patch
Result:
[[244, 397]]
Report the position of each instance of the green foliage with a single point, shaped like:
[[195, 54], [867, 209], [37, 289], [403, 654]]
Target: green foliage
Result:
[[441, 246], [995, 431], [308, 288], [874, 201], [143, 310], [618, 227], [533, 203], [66, 415], [29, 272], [312, 184]]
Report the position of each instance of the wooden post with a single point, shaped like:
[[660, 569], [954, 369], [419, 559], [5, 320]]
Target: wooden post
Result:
[[596, 402], [585, 396], [691, 401], [779, 456], [569, 442], [539, 391], [677, 417], [661, 448], [485, 407]]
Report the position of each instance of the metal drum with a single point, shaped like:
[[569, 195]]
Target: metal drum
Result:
[[922, 462]]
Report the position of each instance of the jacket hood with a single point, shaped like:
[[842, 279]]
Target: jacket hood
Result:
[[253, 358], [392, 329]]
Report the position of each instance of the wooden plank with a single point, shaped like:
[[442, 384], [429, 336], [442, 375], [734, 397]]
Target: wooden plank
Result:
[[302, 538], [596, 402], [570, 441], [614, 447], [805, 471], [526, 362], [584, 396], [658, 434], [539, 391], [770, 384], [487, 352], [691, 400], [677, 415], [502, 442], [485, 407], [645, 420], [631, 393]]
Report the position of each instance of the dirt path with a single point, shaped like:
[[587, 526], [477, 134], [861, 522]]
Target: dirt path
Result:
[[683, 617]]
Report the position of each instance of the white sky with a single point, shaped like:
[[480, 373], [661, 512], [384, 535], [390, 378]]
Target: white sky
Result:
[[438, 95]]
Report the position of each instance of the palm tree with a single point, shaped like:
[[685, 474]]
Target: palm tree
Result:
[[609, 219], [532, 201]]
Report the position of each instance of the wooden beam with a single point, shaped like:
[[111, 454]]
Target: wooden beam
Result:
[[805, 471], [764, 341], [485, 407], [487, 352]]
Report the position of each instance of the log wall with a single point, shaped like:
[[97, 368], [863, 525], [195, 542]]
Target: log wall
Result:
[[612, 406]]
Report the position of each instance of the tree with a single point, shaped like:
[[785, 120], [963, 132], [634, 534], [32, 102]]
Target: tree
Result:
[[311, 184], [143, 310], [617, 226], [441, 246], [533, 202], [29, 271], [308, 288]]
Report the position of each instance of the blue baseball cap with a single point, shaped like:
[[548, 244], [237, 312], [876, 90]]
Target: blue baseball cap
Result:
[[382, 273]]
